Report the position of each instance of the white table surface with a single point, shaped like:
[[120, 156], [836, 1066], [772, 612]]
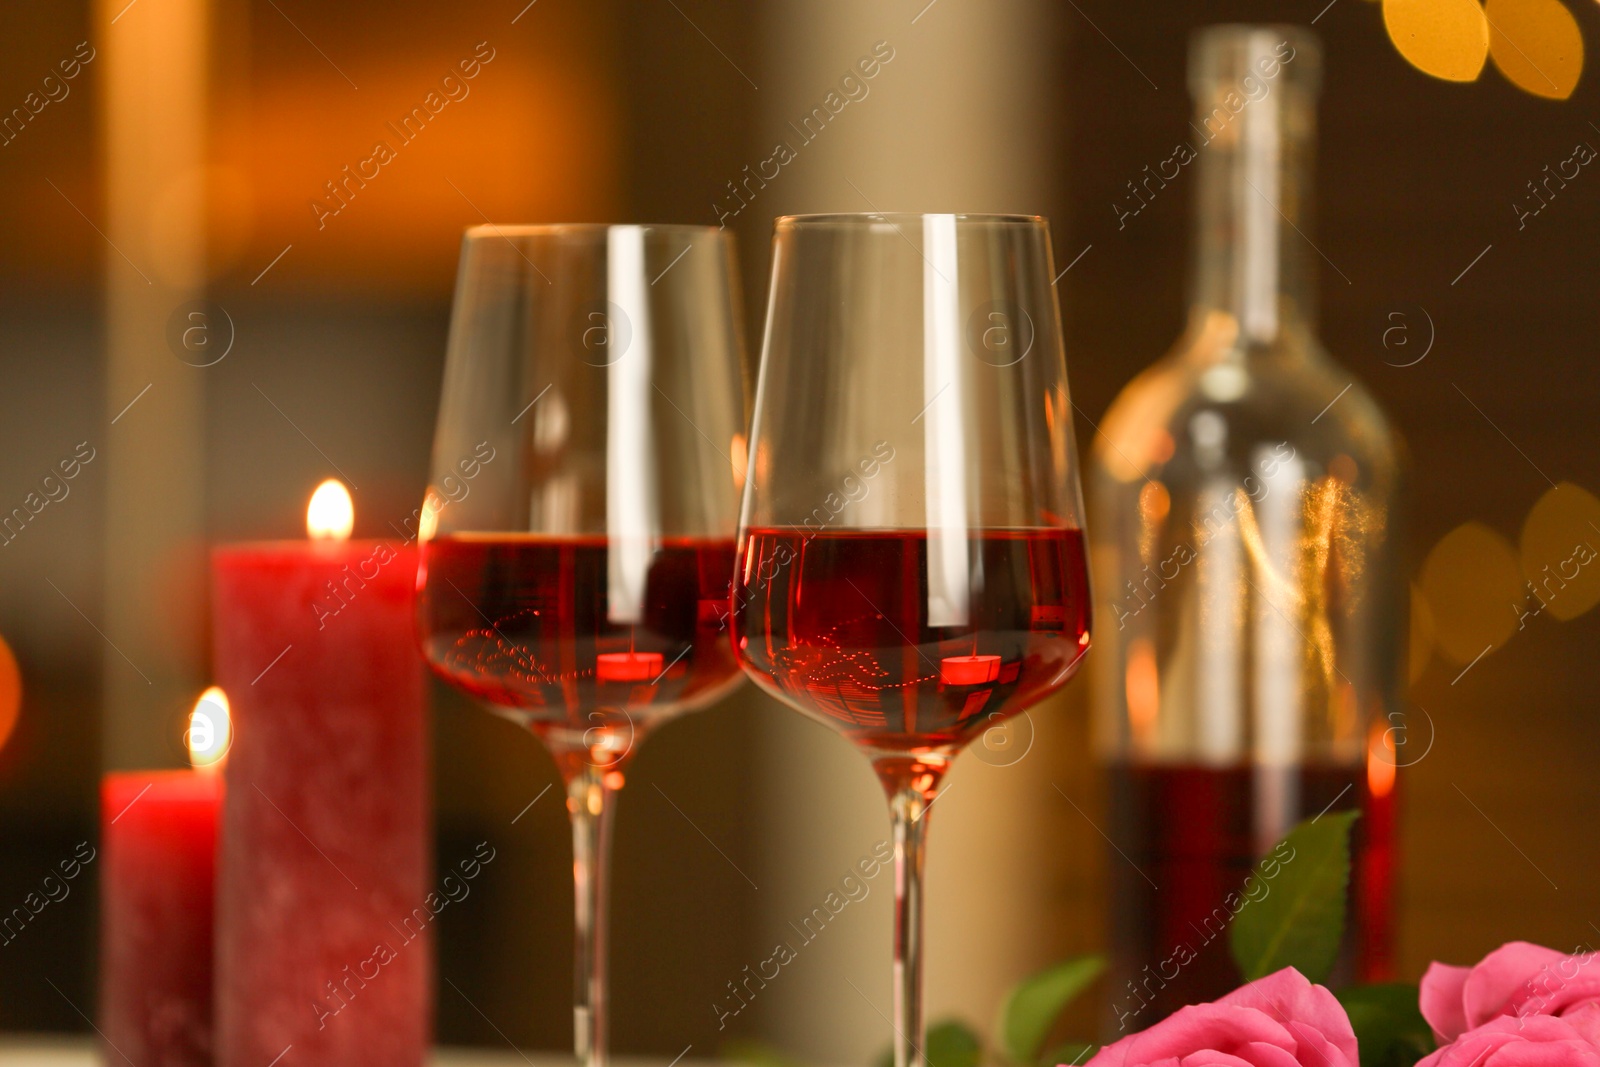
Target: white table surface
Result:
[[77, 1052]]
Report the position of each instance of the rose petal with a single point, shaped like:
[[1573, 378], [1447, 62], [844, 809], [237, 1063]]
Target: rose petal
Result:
[[1441, 1000], [1586, 1021], [1217, 1026], [1277, 987], [1530, 1041], [1322, 1051], [1555, 987], [1500, 975], [1469, 1050], [1213, 1058], [1112, 1055], [1262, 1054], [1281, 1020], [1313, 1016], [1575, 1053]]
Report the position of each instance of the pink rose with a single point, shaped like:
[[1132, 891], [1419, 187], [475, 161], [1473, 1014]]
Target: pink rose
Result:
[[1531, 1041], [1517, 979], [1281, 1020]]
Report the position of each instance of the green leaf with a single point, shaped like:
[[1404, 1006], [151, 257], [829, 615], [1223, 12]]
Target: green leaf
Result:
[[1389, 1026], [1293, 907], [1070, 1054], [1031, 1008], [755, 1053], [950, 1043]]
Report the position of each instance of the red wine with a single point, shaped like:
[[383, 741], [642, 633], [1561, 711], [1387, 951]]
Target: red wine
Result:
[[838, 624], [523, 622], [1192, 832]]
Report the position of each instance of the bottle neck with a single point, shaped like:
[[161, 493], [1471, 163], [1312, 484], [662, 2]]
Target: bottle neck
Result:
[[1253, 256]]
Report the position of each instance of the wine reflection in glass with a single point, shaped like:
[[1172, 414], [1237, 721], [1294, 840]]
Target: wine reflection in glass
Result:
[[577, 537], [911, 563]]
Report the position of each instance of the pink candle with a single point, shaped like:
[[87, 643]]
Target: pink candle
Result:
[[325, 843], [158, 833]]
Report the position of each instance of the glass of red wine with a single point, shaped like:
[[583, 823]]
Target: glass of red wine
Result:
[[578, 532], [911, 565]]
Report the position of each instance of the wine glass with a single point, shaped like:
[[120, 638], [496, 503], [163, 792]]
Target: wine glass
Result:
[[911, 565], [577, 535]]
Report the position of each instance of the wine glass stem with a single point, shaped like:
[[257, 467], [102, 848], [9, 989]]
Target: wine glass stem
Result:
[[908, 810], [590, 802]]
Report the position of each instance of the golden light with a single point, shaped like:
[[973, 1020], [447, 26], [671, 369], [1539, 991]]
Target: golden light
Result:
[[1560, 538], [1154, 504], [1380, 760], [10, 692], [1536, 45], [331, 515], [1164, 447], [210, 732], [740, 459], [530, 115], [1345, 713], [1144, 690], [1419, 649], [1448, 39], [1474, 587], [428, 524]]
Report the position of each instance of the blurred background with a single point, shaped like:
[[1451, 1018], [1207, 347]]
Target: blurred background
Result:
[[202, 150]]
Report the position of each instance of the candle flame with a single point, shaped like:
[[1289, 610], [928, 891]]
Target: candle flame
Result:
[[210, 732], [428, 524], [1381, 766], [10, 691], [330, 516]]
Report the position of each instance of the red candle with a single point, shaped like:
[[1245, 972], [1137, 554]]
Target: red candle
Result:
[[1375, 872], [158, 833], [324, 942]]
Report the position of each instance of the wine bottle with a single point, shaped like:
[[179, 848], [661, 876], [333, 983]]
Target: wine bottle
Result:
[[1244, 540]]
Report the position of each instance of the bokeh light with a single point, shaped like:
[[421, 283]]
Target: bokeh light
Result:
[[1419, 649], [1448, 39], [1559, 558], [1473, 584], [1536, 45]]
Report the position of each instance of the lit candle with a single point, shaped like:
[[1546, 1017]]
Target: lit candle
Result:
[[627, 666], [158, 834], [969, 670], [323, 937], [1374, 874]]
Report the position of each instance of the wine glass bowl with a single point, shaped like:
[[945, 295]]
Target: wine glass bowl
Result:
[[577, 537], [593, 388], [502, 623], [858, 651], [911, 564]]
